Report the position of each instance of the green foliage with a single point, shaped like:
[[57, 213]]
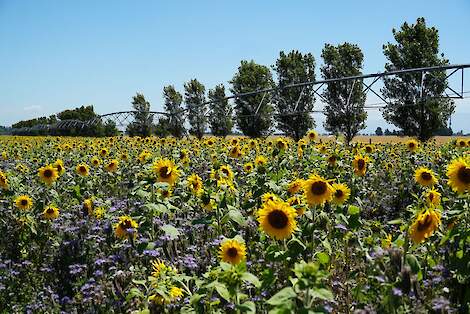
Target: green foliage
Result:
[[220, 119], [293, 113], [174, 109], [253, 113], [345, 100], [417, 114], [194, 98], [143, 119]]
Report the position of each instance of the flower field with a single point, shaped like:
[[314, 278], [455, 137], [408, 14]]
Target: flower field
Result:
[[233, 225]]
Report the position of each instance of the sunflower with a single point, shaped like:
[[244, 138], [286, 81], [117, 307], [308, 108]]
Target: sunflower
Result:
[[24, 202], [458, 172], [341, 193], [195, 184], [295, 186], [461, 142], [48, 174], [260, 161], [103, 152], [126, 226], [424, 225], [332, 160], [207, 203], [432, 198], [312, 135], [51, 212], [317, 190], [3, 181], [269, 197], [59, 166], [95, 161], [360, 165], [82, 169], [112, 166], [248, 167], [88, 206], [277, 219], [225, 172], [232, 251], [166, 171], [235, 152], [296, 202], [281, 144], [165, 193], [425, 177], [369, 149], [412, 145], [144, 156], [176, 293]]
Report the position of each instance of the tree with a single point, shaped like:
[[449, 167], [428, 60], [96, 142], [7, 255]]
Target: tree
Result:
[[295, 104], [194, 98], [162, 127], [253, 113], [143, 119], [220, 119], [379, 131], [345, 100], [414, 103], [174, 109]]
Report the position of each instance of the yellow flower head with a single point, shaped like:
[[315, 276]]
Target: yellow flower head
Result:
[[3, 181], [260, 161], [425, 177], [24, 202], [432, 198], [232, 251], [458, 172], [112, 166], [297, 203], [50, 212], [195, 184], [277, 219], [424, 225], [248, 167], [59, 166], [312, 135], [360, 165], [341, 193], [175, 293], [83, 170], [125, 227], [166, 171], [48, 174], [235, 152], [295, 186], [95, 161], [412, 145], [317, 190]]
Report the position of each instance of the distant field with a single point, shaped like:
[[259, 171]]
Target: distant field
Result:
[[389, 139]]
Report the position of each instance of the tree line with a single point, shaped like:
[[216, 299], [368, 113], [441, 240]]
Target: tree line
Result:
[[83, 113], [414, 111]]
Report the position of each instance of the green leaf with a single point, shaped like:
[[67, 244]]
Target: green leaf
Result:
[[249, 277], [171, 231], [222, 291], [237, 216], [322, 258], [395, 222], [412, 261], [247, 307], [353, 210], [322, 293], [282, 296]]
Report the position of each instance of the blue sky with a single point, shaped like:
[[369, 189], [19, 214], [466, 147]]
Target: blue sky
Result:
[[60, 54]]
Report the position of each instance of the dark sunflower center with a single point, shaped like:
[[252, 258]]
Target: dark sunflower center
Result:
[[278, 219], [50, 210], [426, 176], [232, 252], [318, 188], [361, 163], [424, 225], [462, 143], [126, 224], [164, 173], [59, 168], [225, 171], [82, 169], [368, 149], [24, 202], [48, 173], [332, 159], [431, 196], [411, 145], [339, 193], [166, 193], [464, 175]]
